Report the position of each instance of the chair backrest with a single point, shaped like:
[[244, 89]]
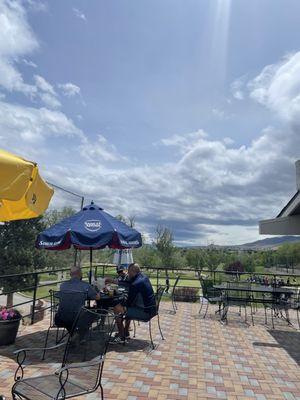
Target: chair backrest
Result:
[[238, 291], [205, 285], [158, 295], [67, 303], [94, 329]]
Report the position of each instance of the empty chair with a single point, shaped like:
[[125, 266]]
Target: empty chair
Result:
[[82, 362], [209, 295], [238, 294]]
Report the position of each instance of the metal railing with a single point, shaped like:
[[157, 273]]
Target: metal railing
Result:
[[156, 274]]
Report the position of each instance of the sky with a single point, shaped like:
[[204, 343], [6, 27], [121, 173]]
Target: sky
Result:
[[179, 113]]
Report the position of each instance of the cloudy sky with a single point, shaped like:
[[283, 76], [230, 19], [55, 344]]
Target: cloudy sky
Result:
[[183, 113]]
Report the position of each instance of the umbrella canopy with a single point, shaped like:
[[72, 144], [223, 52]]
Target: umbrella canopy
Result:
[[90, 228], [23, 193]]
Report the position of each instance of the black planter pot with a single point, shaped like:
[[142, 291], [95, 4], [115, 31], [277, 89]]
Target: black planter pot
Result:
[[8, 331]]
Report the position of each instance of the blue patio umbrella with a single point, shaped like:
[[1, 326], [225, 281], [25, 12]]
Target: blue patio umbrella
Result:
[[91, 228]]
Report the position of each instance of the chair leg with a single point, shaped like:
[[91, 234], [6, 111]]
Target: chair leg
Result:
[[150, 333], [173, 305], [266, 320], [272, 316], [134, 328], [201, 305], [207, 304], [102, 393], [252, 314], [160, 331], [46, 342]]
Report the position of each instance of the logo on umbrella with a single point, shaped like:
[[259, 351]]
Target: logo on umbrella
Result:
[[92, 225]]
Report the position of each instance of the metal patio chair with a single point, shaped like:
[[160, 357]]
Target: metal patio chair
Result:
[[158, 297], [172, 296], [238, 294], [68, 303], [82, 363], [209, 295]]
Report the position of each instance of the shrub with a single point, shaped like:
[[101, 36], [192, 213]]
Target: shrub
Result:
[[184, 293]]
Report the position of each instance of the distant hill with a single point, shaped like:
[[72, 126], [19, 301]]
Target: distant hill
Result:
[[270, 242]]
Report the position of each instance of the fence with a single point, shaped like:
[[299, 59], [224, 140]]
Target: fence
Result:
[[189, 277]]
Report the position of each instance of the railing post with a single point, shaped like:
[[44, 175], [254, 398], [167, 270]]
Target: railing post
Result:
[[214, 277], [34, 297], [156, 280]]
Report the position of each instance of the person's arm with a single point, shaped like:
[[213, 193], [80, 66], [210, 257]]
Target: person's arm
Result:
[[111, 280], [92, 294]]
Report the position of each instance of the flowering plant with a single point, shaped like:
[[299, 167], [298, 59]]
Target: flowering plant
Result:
[[7, 314]]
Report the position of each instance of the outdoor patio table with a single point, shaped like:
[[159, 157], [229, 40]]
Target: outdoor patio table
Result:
[[276, 292], [107, 301], [258, 289]]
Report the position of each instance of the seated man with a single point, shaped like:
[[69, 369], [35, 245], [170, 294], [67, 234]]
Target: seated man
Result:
[[140, 303], [121, 280], [72, 296]]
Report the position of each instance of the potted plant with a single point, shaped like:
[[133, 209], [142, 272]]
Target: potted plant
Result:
[[9, 325]]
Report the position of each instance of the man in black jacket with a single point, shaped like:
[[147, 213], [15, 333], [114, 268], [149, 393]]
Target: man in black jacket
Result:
[[140, 303]]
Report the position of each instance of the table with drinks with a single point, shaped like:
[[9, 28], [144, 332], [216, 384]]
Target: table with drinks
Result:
[[110, 295]]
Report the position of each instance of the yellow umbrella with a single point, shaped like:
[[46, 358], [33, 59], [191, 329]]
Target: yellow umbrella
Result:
[[23, 193]]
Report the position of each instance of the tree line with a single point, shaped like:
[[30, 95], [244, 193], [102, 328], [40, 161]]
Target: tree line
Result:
[[18, 253]]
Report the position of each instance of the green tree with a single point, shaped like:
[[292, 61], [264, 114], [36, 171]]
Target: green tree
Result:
[[146, 256], [164, 245], [18, 254], [58, 259]]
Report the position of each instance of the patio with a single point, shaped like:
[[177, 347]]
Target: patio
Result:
[[200, 359]]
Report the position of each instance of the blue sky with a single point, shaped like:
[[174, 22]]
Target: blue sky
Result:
[[183, 113]]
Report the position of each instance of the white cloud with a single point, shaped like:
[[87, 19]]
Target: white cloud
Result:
[[237, 88], [79, 14], [29, 63], [16, 40], [69, 89], [46, 92], [37, 5], [220, 114], [43, 85], [100, 151], [26, 124], [278, 88]]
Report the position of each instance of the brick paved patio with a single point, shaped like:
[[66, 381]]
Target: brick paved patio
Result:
[[200, 359]]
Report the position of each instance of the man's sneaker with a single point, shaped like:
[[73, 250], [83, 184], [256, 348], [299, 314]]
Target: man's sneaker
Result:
[[117, 340]]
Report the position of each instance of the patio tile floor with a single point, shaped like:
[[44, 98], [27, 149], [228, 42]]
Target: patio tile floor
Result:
[[200, 359]]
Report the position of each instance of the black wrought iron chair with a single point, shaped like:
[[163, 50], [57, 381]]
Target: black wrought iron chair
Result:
[[280, 303], [172, 296], [295, 304], [238, 294], [209, 295], [59, 300], [82, 363], [158, 297]]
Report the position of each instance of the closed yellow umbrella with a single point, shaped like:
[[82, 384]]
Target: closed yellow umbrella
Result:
[[23, 193]]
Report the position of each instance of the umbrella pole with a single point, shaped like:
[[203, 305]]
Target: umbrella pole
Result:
[[120, 257], [91, 264]]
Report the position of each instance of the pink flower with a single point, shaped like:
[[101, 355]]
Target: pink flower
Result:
[[5, 315]]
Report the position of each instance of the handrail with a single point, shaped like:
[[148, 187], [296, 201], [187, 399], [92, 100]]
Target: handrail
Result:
[[156, 273]]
